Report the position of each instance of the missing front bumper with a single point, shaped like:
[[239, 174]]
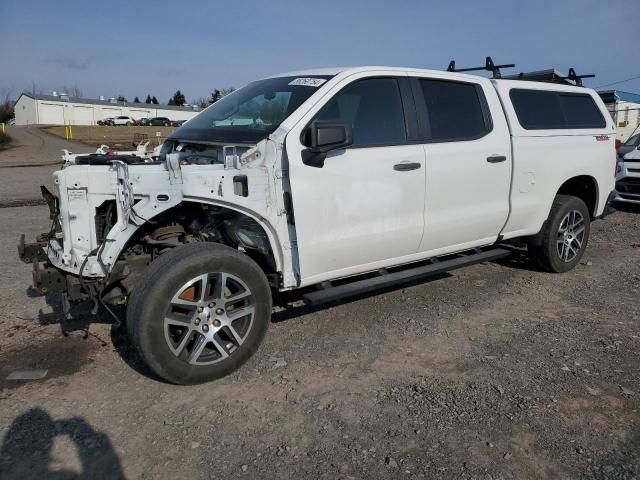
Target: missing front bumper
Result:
[[32, 252], [47, 279]]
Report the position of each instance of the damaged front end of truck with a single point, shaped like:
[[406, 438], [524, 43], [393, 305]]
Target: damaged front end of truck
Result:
[[112, 215]]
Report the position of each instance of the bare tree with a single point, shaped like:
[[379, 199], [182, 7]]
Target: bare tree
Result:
[[217, 94], [201, 102], [6, 104], [6, 94], [34, 89], [72, 91]]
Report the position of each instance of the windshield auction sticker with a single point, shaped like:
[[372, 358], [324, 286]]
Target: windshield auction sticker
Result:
[[308, 82]]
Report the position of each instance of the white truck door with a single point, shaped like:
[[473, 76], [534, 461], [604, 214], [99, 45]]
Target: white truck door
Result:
[[468, 160], [364, 206]]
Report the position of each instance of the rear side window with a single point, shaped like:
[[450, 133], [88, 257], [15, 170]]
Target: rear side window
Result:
[[373, 108], [540, 110], [455, 110]]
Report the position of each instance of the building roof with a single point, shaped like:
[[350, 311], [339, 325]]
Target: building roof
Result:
[[612, 96], [107, 103]]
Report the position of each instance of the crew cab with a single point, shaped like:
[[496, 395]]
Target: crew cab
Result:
[[334, 181]]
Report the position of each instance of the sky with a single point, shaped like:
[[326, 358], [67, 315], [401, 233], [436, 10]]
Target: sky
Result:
[[135, 48]]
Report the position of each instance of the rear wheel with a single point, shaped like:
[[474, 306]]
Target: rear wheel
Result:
[[564, 237], [199, 312]]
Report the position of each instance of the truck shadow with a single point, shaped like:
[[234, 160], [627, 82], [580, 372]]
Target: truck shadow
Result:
[[27, 447], [82, 321]]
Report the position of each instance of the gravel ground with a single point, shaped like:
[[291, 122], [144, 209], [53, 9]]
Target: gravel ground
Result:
[[495, 371]]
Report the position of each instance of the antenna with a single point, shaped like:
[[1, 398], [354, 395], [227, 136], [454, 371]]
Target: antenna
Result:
[[576, 78], [489, 66]]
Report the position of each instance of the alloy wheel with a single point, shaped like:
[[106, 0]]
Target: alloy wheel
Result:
[[209, 318], [570, 236]]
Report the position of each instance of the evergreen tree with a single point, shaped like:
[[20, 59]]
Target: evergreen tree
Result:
[[178, 99], [136, 100], [148, 99], [121, 98], [154, 100], [215, 96]]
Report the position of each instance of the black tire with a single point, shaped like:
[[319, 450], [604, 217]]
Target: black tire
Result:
[[548, 254], [151, 300]]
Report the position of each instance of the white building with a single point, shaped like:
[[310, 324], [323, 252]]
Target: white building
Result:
[[61, 109], [624, 108]]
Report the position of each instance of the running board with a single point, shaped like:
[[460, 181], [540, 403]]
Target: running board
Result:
[[385, 279]]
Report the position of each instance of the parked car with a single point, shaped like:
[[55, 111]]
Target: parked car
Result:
[[143, 121], [159, 122], [632, 143], [628, 178], [348, 180], [178, 123], [123, 120], [105, 121]]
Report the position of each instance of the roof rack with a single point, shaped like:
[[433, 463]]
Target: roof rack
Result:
[[576, 78], [489, 66]]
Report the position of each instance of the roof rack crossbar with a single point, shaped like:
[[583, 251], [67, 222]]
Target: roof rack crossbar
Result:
[[576, 78], [489, 66]]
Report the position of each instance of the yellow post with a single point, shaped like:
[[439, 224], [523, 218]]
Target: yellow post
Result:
[[70, 132], [3, 130]]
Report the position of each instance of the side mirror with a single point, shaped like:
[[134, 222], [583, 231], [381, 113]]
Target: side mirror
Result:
[[327, 136]]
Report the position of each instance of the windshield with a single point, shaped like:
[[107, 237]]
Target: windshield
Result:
[[252, 113], [633, 141]]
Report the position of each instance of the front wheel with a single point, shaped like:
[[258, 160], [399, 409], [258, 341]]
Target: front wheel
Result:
[[199, 312], [564, 236]]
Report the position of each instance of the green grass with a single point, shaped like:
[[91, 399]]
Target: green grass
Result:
[[116, 137]]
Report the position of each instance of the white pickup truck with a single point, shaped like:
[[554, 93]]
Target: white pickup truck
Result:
[[334, 181]]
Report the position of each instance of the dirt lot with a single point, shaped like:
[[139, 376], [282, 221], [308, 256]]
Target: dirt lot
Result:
[[115, 137], [492, 372]]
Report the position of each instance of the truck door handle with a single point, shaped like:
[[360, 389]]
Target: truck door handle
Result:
[[406, 166], [496, 158]]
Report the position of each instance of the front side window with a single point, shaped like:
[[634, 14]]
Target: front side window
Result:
[[251, 113], [373, 109], [544, 109]]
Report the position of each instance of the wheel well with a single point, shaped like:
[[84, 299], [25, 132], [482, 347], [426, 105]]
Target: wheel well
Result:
[[192, 222], [583, 187]]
